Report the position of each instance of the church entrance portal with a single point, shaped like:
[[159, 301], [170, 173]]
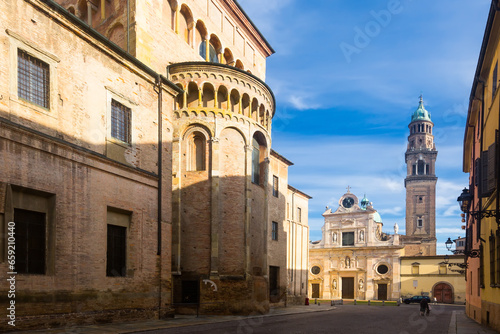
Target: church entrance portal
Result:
[[315, 291], [347, 287], [443, 293], [382, 292]]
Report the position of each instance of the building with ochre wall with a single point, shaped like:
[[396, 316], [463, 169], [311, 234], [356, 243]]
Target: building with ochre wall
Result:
[[432, 276], [481, 160], [135, 146]]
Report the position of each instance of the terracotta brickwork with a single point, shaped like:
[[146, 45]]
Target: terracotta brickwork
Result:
[[188, 193]]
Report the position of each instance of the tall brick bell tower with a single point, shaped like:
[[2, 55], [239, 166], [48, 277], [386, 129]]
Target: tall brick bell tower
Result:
[[420, 183]]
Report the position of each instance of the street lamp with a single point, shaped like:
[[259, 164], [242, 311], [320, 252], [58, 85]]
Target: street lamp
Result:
[[465, 199], [448, 244]]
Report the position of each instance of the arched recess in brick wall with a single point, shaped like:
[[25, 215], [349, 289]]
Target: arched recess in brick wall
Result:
[[222, 97], [245, 105], [208, 95], [193, 95], [82, 10], [117, 35], [195, 147], [259, 154], [239, 64], [235, 101], [255, 107], [186, 24], [262, 115], [170, 13], [179, 99], [228, 57], [232, 202]]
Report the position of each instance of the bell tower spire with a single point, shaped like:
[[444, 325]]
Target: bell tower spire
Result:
[[420, 181]]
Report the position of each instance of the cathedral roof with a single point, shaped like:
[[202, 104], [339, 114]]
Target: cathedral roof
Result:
[[421, 114], [376, 217]]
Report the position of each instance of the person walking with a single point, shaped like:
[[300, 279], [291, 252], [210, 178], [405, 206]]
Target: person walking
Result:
[[424, 307]]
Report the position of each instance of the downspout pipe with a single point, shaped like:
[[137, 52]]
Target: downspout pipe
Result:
[[159, 90]]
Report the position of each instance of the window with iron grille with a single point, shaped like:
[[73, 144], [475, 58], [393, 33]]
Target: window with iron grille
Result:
[[275, 231], [33, 79], [120, 121]]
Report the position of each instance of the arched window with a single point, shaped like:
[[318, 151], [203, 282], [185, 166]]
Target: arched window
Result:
[[212, 53], [239, 64], [214, 49], [200, 39], [186, 24], [179, 99], [196, 152], [228, 57], [235, 101]]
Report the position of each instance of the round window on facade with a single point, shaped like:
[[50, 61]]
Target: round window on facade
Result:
[[315, 270], [382, 269]]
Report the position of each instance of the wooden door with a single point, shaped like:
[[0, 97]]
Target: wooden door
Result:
[[315, 291], [347, 287], [443, 293], [382, 292]]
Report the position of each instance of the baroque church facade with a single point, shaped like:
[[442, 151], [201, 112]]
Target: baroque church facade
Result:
[[355, 259], [135, 143]]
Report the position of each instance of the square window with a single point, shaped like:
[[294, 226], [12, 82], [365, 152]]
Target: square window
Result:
[[120, 121], [299, 215], [415, 269], [275, 231], [420, 222], [30, 241], [33, 79], [348, 239]]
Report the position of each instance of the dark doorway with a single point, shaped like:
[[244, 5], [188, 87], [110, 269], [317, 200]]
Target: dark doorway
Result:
[[443, 293], [315, 290], [190, 292], [348, 287], [30, 241], [274, 289], [382, 292]]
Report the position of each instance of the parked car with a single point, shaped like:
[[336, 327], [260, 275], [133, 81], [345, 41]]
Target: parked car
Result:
[[416, 299]]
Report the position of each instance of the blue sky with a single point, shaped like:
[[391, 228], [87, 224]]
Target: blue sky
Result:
[[347, 76]]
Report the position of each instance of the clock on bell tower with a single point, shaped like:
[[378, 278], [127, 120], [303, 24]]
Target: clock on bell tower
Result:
[[420, 181]]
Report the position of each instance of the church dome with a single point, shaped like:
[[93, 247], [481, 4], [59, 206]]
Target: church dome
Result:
[[377, 218], [421, 114]]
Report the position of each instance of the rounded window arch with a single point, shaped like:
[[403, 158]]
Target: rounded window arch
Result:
[[214, 49], [255, 107], [208, 95], [239, 64], [245, 105], [235, 101], [196, 149], [186, 24], [228, 57], [82, 10], [262, 115], [179, 99], [193, 95], [222, 97], [259, 149], [200, 37], [170, 13]]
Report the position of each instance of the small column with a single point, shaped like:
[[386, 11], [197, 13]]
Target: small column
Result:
[[240, 108], [177, 12], [215, 99], [207, 49], [200, 96], [214, 220], [184, 100]]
